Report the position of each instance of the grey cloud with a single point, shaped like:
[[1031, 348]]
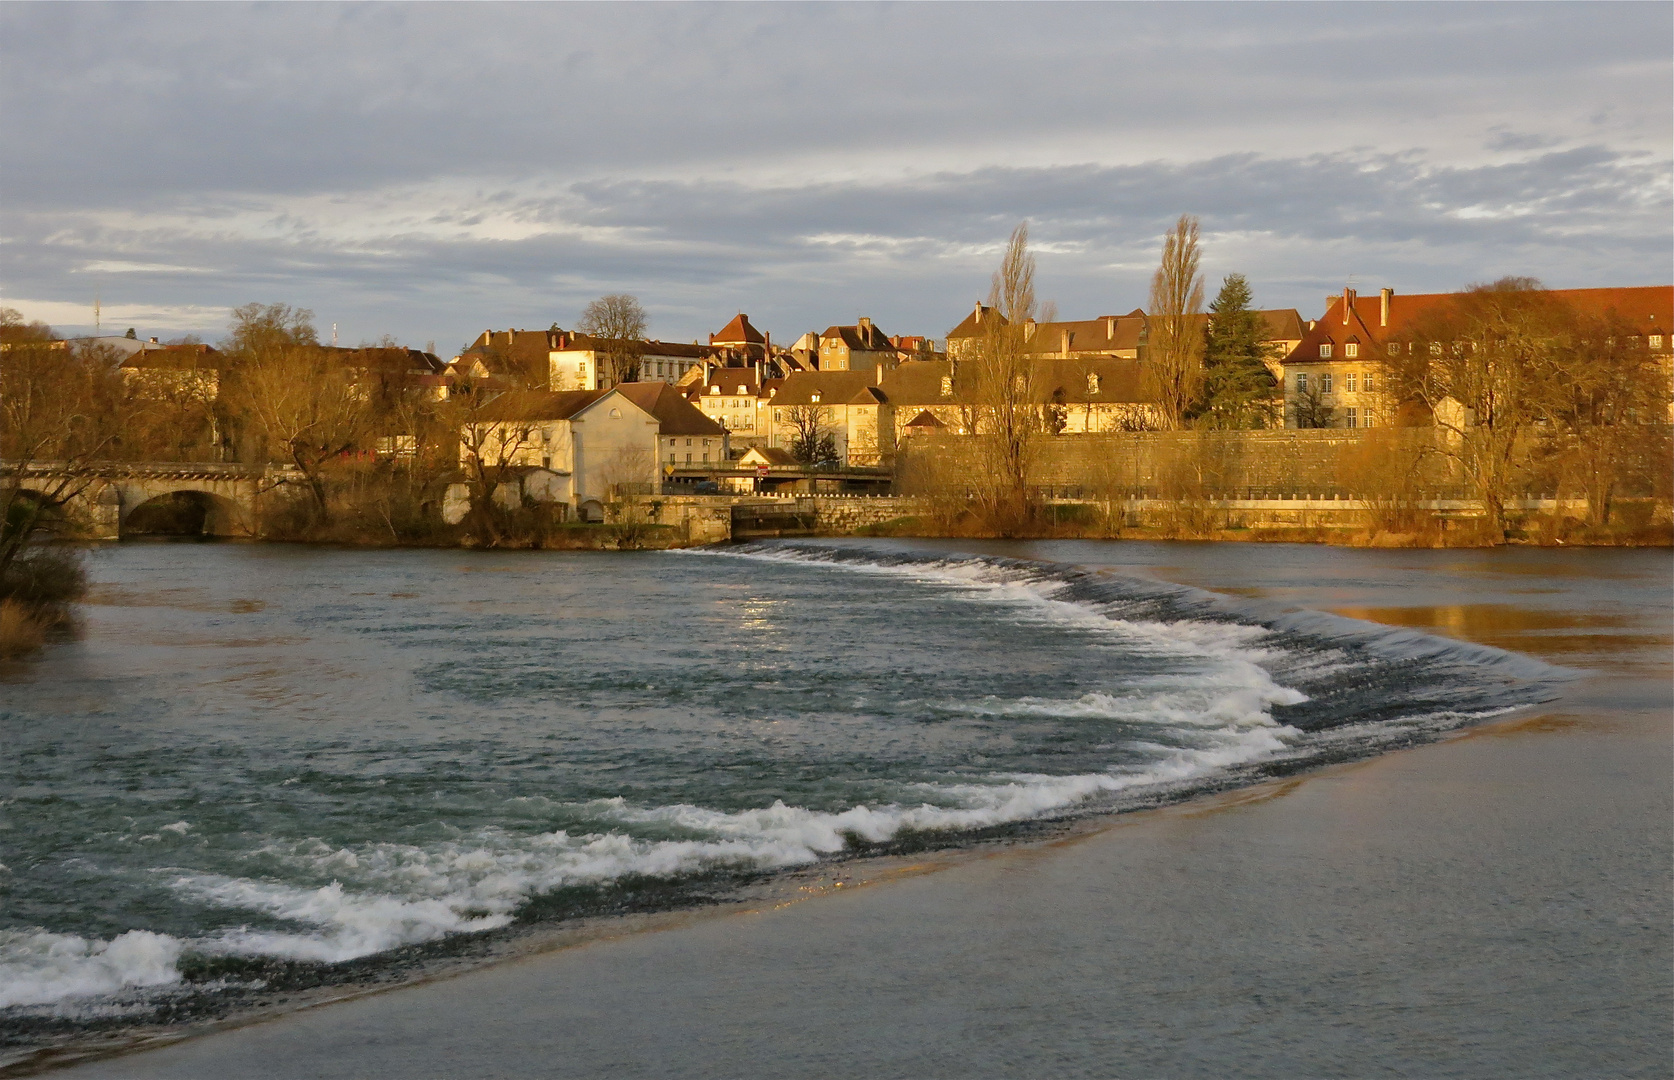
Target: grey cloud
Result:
[[811, 163]]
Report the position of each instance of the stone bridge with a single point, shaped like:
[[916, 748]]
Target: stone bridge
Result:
[[211, 498]]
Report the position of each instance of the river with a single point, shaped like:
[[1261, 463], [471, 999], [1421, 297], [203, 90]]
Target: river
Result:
[[259, 762]]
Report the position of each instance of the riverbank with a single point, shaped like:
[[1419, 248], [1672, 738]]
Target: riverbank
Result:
[[1497, 904]]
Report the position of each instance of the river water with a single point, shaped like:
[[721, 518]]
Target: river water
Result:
[[256, 760]]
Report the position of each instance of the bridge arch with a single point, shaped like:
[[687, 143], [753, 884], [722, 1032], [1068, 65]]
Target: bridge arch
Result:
[[184, 512]]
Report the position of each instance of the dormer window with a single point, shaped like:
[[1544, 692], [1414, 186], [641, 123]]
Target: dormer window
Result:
[[947, 385], [1656, 341], [1394, 348], [1092, 382], [714, 389], [1325, 351], [1352, 349], [742, 390], [814, 397]]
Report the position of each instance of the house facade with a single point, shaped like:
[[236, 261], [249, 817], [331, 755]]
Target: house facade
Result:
[[847, 406], [596, 444], [860, 347], [1337, 377]]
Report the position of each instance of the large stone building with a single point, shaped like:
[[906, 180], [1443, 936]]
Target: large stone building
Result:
[[565, 360], [593, 443], [1338, 373]]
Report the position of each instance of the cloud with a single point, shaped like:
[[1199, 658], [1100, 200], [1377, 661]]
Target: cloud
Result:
[[430, 170]]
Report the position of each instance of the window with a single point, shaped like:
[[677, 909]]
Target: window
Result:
[[1325, 383], [1435, 348], [1656, 341], [716, 390], [616, 414], [1366, 383], [1302, 382], [1366, 418], [742, 390], [814, 397], [688, 443], [1325, 352], [1352, 349], [1092, 382], [947, 385], [688, 455], [1351, 418], [1352, 382], [1394, 348]]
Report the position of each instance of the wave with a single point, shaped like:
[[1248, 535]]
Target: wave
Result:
[[1253, 687]]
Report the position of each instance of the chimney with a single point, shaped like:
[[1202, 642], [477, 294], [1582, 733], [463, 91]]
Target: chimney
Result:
[[978, 312], [1110, 327], [1383, 311], [865, 329], [1066, 344], [1028, 329], [1348, 304], [877, 375], [511, 336]]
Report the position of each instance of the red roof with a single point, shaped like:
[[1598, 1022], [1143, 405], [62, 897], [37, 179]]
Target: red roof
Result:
[[738, 332]]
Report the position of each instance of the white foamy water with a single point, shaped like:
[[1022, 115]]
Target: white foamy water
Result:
[[1178, 702], [39, 966]]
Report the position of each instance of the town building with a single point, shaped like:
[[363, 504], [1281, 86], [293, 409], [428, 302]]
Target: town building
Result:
[[597, 444], [1338, 374], [559, 359], [737, 398], [860, 347], [848, 407]]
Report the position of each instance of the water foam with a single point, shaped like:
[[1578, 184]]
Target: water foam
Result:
[[1216, 716], [39, 967]]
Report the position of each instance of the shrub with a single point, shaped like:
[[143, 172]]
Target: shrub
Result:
[[20, 630]]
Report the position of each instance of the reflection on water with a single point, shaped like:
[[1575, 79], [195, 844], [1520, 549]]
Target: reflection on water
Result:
[[1543, 632]]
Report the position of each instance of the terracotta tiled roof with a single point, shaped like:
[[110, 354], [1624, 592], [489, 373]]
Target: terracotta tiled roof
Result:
[[1362, 318], [516, 405], [738, 332], [1119, 381], [769, 455], [833, 388], [972, 326], [675, 415], [866, 338]]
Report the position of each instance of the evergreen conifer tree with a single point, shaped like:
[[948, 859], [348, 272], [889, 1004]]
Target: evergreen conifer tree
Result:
[[1237, 387]]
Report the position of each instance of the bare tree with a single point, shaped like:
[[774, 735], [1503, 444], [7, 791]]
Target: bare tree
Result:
[[307, 407], [1175, 341], [1485, 361], [1604, 414], [59, 407], [812, 441], [618, 321], [493, 439], [1007, 415], [1312, 410]]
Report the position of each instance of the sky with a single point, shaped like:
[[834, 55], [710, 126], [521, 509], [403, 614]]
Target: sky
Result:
[[430, 171]]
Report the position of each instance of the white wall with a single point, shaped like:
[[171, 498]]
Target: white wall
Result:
[[613, 448]]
